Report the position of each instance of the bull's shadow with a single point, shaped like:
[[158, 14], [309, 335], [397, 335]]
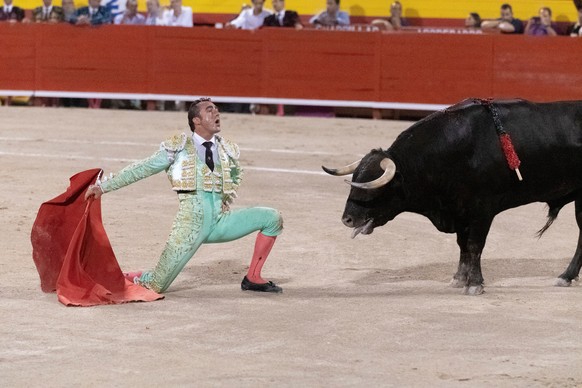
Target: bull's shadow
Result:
[[494, 270], [229, 273]]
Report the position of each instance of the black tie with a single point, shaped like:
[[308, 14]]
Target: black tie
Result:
[[209, 158]]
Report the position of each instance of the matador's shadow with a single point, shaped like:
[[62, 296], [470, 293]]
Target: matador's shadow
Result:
[[219, 272]]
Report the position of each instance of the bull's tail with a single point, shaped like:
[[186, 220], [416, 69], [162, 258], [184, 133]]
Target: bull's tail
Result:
[[552, 215]]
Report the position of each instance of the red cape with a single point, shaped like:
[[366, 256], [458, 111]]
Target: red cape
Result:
[[73, 255]]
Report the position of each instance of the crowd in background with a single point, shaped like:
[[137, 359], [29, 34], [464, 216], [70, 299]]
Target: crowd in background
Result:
[[540, 25], [96, 14], [257, 15]]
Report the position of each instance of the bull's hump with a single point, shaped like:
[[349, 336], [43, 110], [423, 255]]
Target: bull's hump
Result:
[[470, 102]]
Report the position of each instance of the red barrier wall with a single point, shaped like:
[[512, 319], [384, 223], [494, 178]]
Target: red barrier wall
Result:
[[280, 63]]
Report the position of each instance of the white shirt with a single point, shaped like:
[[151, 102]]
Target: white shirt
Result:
[[247, 20], [46, 10], [8, 8], [201, 150], [342, 18], [280, 16], [138, 19], [184, 20], [154, 21]]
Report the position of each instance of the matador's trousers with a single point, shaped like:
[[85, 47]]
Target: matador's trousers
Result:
[[200, 220]]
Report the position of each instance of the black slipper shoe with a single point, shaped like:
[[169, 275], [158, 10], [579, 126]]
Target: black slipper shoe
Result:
[[247, 285]]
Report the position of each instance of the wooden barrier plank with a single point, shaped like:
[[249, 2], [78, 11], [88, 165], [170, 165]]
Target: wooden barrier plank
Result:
[[209, 62], [17, 57], [288, 64], [104, 59], [538, 68], [435, 68], [319, 65]]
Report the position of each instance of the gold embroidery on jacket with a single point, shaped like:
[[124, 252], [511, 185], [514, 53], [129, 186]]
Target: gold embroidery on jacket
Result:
[[183, 173]]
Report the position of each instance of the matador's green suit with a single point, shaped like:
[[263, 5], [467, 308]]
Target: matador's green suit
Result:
[[202, 193]]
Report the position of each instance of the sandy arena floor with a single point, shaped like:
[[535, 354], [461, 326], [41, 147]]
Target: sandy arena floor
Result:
[[376, 310]]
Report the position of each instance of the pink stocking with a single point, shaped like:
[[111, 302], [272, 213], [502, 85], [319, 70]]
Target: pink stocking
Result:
[[263, 246]]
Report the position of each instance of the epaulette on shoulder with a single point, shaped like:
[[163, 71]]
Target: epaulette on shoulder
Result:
[[230, 147], [175, 143]]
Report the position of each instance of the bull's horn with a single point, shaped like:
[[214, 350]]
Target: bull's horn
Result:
[[347, 170], [389, 170]]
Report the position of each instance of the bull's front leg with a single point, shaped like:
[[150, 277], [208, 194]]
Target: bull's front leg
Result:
[[573, 270], [471, 241], [460, 278]]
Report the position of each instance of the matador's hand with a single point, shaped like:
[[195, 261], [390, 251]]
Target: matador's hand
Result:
[[225, 207], [93, 191]]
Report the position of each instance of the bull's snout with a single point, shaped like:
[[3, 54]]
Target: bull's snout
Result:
[[348, 221]]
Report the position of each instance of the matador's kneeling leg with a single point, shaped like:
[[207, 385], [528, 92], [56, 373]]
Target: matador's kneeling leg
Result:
[[239, 223]]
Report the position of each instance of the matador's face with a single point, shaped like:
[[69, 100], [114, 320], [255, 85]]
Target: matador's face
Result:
[[208, 122]]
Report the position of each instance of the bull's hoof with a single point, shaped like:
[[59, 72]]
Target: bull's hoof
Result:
[[457, 283], [473, 290], [560, 282]]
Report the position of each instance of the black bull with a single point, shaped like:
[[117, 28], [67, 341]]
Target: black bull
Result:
[[450, 167]]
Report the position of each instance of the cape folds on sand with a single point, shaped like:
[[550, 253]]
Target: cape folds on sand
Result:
[[72, 252]]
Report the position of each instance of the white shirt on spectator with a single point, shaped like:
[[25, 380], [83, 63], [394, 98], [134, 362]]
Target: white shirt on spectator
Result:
[[154, 21], [342, 18], [184, 20], [247, 20], [138, 19], [281, 16]]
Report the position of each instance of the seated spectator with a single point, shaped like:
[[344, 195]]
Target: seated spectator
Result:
[[93, 15], [250, 18], [332, 16], [282, 17], [575, 30], [130, 15], [10, 13], [178, 15], [542, 25], [155, 15], [473, 20], [506, 24], [47, 13], [69, 11], [395, 21]]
